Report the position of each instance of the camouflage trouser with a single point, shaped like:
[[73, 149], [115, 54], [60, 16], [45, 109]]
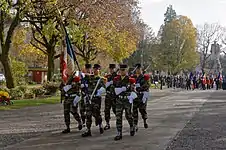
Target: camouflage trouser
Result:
[[69, 108], [121, 104], [138, 104], [82, 108], [110, 102], [93, 109]]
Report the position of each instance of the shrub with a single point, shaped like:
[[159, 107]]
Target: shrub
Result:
[[51, 88], [38, 91], [23, 88], [16, 93], [29, 94]]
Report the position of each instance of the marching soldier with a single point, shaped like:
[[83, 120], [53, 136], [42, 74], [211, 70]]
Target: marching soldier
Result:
[[96, 87], [72, 97], [124, 87], [110, 96], [82, 107], [142, 89]]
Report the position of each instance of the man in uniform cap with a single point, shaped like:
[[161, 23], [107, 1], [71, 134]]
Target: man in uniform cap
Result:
[[142, 89], [72, 97], [96, 87], [86, 72], [124, 87], [110, 96]]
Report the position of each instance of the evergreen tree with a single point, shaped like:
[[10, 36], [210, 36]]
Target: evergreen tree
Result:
[[170, 14]]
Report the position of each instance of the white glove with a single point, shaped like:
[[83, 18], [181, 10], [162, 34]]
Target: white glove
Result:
[[83, 85], [118, 91], [145, 97], [137, 85], [101, 91], [124, 89], [76, 100], [132, 96], [67, 88], [130, 99], [108, 84]]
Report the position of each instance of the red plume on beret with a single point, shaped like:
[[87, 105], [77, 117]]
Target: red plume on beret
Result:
[[76, 79], [146, 77], [133, 76], [116, 78], [132, 81]]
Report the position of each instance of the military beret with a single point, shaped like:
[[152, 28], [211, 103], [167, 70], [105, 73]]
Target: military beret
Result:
[[96, 66], [112, 66], [132, 80], [138, 65], [88, 66], [123, 66]]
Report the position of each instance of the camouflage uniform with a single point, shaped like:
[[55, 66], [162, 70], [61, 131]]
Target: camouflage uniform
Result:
[[122, 103], [93, 108], [142, 85], [110, 100], [70, 108], [82, 103]]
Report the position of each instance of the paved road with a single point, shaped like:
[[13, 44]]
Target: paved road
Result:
[[182, 120]]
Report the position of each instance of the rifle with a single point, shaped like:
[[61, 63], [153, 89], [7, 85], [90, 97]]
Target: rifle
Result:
[[146, 69], [132, 72]]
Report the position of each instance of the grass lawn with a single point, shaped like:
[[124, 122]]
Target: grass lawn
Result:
[[17, 104]]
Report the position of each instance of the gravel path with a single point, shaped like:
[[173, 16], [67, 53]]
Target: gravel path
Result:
[[207, 129], [39, 127]]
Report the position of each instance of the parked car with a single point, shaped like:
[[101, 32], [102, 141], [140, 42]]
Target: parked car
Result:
[[2, 77]]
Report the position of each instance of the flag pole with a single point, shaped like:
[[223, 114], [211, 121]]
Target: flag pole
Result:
[[73, 54]]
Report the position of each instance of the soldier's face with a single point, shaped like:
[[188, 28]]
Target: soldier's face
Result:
[[88, 70], [111, 70], [96, 71], [138, 71], [123, 72]]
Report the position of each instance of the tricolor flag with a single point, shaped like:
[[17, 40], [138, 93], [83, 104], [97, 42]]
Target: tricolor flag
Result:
[[67, 60]]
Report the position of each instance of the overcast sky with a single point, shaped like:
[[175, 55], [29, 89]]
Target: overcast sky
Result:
[[199, 11]]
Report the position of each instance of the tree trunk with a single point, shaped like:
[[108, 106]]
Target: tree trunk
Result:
[[8, 72], [50, 65]]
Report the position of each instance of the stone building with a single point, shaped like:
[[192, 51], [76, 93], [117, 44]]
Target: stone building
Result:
[[215, 58]]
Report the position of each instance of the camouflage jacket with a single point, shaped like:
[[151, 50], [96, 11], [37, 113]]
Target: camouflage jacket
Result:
[[74, 90], [91, 82], [120, 82], [142, 85], [110, 89]]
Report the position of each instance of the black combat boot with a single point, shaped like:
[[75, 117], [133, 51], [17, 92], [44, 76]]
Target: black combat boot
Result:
[[101, 129], [118, 136], [145, 124], [136, 128], [83, 122], [87, 133], [132, 131], [66, 131], [80, 126], [107, 127]]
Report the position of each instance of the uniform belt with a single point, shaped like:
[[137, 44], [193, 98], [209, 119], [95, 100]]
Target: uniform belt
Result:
[[72, 95], [96, 96]]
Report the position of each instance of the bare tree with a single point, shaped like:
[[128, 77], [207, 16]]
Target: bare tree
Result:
[[207, 34]]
